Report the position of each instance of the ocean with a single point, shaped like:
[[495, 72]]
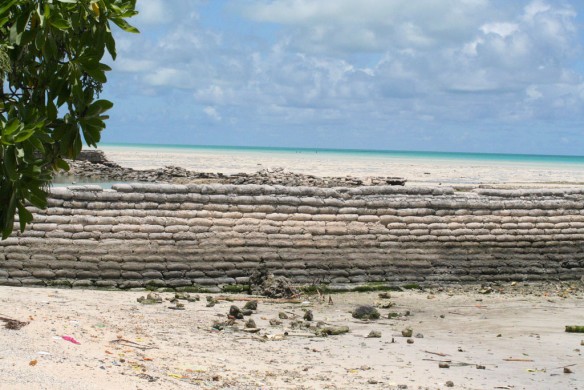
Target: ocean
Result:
[[351, 153], [418, 167]]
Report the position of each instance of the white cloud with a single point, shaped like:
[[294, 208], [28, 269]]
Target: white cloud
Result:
[[155, 12], [212, 113]]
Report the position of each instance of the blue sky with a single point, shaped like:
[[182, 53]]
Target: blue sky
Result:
[[493, 76]]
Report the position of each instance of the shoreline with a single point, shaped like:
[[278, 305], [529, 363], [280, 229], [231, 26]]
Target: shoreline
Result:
[[469, 173]]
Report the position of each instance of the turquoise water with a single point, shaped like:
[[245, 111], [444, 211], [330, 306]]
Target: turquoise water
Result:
[[492, 157]]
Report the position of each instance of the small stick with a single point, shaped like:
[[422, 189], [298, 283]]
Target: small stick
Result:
[[518, 360], [437, 353]]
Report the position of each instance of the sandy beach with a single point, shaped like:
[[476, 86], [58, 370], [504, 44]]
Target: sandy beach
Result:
[[416, 171], [505, 337]]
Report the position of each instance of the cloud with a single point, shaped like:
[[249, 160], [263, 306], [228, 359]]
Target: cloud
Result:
[[358, 72], [155, 12], [212, 113]]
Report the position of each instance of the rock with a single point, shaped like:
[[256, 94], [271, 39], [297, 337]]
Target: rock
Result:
[[443, 365], [251, 305], [568, 371], [385, 295], [366, 312], [250, 324], [150, 299], [410, 341], [449, 384], [419, 336], [374, 334], [247, 312], [407, 332], [308, 316], [235, 312], [275, 322], [94, 165], [332, 330], [282, 315]]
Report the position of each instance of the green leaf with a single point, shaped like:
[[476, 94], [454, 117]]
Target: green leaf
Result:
[[62, 164], [98, 107], [110, 44], [60, 23], [10, 164], [11, 127], [23, 135], [4, 8], [121, 23], [24, 216]]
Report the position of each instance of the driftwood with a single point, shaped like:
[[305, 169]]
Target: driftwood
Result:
[[437, 353]]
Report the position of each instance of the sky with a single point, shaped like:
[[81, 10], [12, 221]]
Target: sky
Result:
[[492, 76]]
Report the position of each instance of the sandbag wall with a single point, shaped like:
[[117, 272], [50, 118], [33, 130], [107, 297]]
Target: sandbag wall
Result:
[[212, 235]]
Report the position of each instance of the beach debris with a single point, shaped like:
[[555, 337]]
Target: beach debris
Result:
[[262, 282], [374, 334], [308, 316], [366, 312], [437, 353], [568, 371], [211, 301], [151, 298], [575, 328], [449, 384], [332, 330], [251, 305], [410, 341], [330, 301], [147, 377], [128, 343], [444, 365], [282, 315], [518, 360], [177, 306], [33, 363], [275, 322], [407, 332], [235, 312], [480, 367], [419, 336], [70, 339], [384, 295], [186, 296], [12, 324]]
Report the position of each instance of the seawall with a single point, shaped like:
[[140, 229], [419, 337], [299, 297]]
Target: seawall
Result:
[[140, 235]]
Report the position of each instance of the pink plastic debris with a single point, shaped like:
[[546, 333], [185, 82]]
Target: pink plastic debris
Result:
[[71, 339]]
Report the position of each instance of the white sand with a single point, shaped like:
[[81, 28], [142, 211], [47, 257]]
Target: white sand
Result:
[[188, 354], [416, 171]]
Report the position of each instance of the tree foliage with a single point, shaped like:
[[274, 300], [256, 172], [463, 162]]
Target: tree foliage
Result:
[[52, 73]]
